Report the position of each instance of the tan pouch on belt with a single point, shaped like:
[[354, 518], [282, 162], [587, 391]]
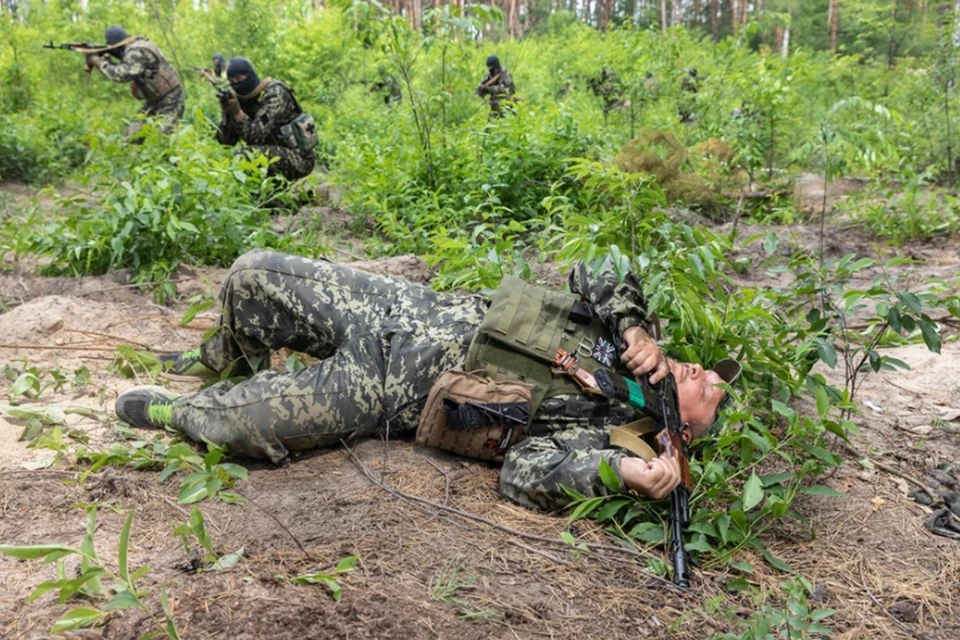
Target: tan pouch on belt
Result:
[[483, 443]]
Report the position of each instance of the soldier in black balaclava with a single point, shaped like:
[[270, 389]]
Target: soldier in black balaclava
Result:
[[265, 115], [152, 79], [498, 85], [219, 64], [687, 107]]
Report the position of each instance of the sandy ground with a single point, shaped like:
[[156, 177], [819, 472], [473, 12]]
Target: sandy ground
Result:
[[435, 570]]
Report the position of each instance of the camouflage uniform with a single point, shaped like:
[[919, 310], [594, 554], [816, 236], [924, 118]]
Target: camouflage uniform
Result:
[[501, 89], [141, 63], [259, 128], [383, 342], [606, 86]]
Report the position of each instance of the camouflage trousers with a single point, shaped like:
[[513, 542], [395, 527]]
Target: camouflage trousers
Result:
[[168, 109], [382, 342], [292, 164]]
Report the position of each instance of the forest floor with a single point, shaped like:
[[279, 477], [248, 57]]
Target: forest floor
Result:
[[469, 564]]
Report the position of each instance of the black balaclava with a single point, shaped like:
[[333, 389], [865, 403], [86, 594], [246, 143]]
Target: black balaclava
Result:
[[113, 35], [219, 63], [493, 65], [242, 67]]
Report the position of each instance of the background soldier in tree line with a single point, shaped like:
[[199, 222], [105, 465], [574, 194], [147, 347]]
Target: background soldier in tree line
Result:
[[606, 85], [387, 86], [690, 86], [152, 79], [498, 85], [219, 68], [266, 116]]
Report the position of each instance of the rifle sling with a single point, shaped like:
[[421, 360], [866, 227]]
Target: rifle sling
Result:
[[630, 437]]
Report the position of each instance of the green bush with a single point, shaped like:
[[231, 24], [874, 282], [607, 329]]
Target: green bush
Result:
[[181, 198]]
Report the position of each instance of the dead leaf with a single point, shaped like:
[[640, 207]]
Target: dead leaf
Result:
[[873, 405], [949, 414], [877, 502], [903, 486], [919, 430]]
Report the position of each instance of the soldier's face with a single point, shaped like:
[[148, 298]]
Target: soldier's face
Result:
[[697, 394], [236, 79]]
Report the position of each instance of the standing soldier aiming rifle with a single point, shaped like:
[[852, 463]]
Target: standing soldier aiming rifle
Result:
[[151, 78], [498, 85]]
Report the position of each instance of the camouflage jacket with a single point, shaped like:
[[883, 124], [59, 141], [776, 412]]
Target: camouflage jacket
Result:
[[144, 65], [499, 89], [262, 117]]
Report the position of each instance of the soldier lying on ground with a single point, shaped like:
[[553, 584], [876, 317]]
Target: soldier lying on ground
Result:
[[267, 117], [151, 78], [382, 343]]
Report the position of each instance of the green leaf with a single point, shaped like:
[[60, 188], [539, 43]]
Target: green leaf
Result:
[[930, 336], [784, 410], [192, 492], [585, 508], [567, 537], [228, 561], [609, 477], [911, 301], [75, 619], [172, 633], [31, 552], [743, 566], [193, 310], [752, 492], [347, 564], [822, 490], [827, 353], [123, 600], [823, 400], [777, 478], [610, 509], [124, 545], [700, 544]]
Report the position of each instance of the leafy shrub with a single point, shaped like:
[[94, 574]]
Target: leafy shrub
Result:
[[181, 199]]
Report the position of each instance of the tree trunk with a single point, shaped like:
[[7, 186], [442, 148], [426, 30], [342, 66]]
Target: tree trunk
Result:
[[832, 17], [743, 11], [677, 12], [715, 19], [663, 15], [778, 38], [697, 11], [786, 40], [733, 17]]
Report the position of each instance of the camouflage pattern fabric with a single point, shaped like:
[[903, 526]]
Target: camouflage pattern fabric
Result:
[[138, 63], [382, 343], [259, 128], [606, 86], [499, 90]]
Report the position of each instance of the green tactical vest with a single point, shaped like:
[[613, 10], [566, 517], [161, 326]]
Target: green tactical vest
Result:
[[523, 329]]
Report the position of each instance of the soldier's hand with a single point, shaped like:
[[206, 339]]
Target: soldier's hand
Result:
[[643, 355], [92, 60], [654, 479], [228, 102]]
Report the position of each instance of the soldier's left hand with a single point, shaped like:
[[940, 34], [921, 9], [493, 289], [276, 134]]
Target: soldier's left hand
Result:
[[643, 355], [93, 60]]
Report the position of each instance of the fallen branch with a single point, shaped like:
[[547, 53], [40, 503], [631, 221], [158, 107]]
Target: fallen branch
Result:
[[891, 470]]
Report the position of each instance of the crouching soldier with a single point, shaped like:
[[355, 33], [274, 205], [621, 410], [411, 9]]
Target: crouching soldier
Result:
[[151, 78], [266, 117]]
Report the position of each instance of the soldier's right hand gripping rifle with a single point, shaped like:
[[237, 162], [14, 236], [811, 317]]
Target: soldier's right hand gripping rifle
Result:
[[79, 47], [659, 402]]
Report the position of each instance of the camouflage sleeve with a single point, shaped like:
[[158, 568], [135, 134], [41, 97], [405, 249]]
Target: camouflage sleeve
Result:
[[536, 470], [133, 66], [273, 104], [619, 304]]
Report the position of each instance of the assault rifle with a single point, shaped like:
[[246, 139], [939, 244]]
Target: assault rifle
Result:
[[661, 404], [218, 83], [79, 47]]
